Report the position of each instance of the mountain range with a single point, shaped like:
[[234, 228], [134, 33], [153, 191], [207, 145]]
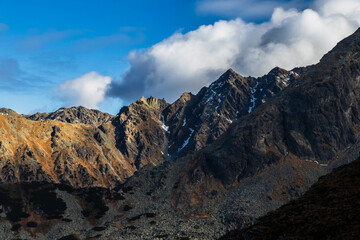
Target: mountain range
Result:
[[194, 169]]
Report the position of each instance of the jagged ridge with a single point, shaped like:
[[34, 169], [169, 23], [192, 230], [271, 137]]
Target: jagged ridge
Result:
[[108, 149]]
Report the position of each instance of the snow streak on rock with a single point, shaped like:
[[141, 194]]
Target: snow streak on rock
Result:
[[187, 140], [253, 98]]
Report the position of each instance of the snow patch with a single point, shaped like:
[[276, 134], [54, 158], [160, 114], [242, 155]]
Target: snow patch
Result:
[[216, 85], [230, 121], [292, 73], [253, 98], [166, 128], [320, 164], [213, 93], [163, 126], [187, 140]]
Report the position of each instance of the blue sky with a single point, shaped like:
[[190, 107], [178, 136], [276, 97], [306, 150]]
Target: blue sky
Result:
[[50, 49], [53, 41]]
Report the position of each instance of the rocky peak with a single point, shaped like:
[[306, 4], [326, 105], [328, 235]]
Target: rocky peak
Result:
[[186, 96], [230, 74], [37, 116], [344, 51], [197, 120], [8, 112], [270, 85], [276, 71], [175, 111], [153, 102], [74, 115], [143, 107], [230, 77]]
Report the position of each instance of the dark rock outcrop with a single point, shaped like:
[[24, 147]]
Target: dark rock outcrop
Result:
[[51, 211]]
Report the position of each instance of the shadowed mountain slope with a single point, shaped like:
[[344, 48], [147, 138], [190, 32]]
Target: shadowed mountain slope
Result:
[[329, 210]]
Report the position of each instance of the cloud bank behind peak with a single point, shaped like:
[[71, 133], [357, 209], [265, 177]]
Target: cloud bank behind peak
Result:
[[187, 62]]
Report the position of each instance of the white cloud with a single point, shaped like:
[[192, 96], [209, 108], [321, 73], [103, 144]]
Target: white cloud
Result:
[[87, 90], [186, 62]]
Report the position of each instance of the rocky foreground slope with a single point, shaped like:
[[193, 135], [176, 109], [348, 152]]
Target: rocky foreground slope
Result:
[[329, 210], [267, 140]]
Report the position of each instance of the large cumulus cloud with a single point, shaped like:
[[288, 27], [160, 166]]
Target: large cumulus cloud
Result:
[[186, 62]]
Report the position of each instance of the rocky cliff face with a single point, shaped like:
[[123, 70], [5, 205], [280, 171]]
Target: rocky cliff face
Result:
[[197, 121], [140, 134], [76, 154], [204, 117]]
